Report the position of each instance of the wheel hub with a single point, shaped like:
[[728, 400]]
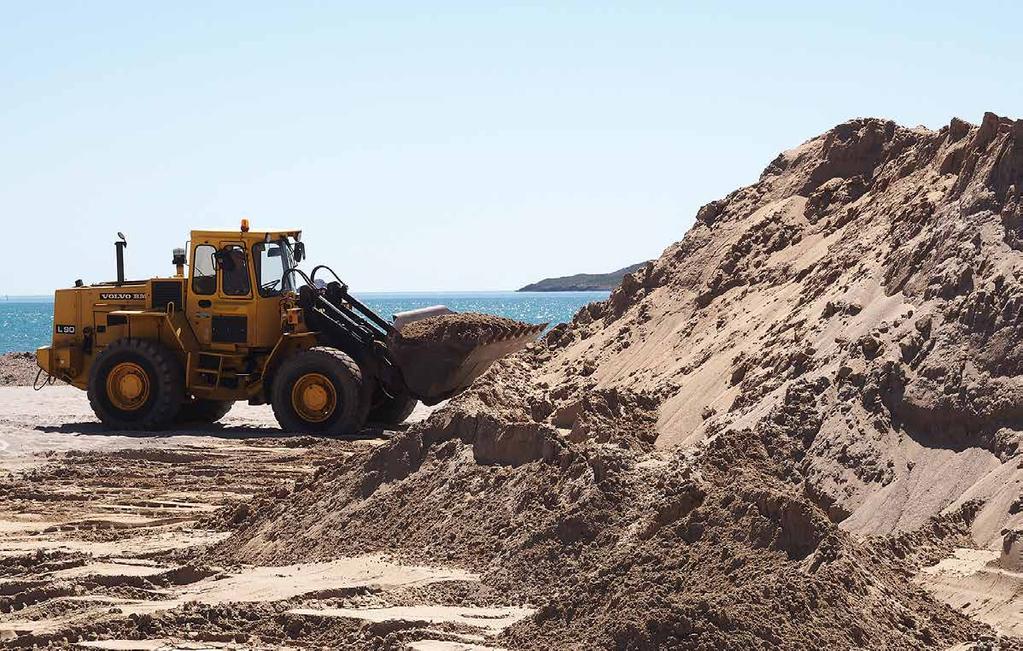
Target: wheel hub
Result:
[[314, 398], [128, 386]]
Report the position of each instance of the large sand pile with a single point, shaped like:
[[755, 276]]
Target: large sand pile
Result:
[[750, 443]]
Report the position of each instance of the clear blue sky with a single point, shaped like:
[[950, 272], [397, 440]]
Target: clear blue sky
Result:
[[443, 146]]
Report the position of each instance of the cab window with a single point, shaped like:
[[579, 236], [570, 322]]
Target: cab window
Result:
[[271, 260], [204, 272], [234, 277]]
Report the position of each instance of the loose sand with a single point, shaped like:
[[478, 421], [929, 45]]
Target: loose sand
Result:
[[458, 327], [799, 428]]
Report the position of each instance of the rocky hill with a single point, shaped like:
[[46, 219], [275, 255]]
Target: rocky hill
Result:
[[583, 282]]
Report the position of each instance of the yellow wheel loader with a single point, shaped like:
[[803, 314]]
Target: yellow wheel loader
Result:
[[245, 323]]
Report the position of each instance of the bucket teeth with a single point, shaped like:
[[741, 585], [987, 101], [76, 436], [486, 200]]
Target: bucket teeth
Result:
[[509, 333]]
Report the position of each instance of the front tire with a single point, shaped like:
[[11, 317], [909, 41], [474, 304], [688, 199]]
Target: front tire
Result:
[[136, 384], [319, 390]]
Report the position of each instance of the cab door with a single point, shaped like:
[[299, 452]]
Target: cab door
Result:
[[221, 300], [230, 317], [203, 287], [270, 259]]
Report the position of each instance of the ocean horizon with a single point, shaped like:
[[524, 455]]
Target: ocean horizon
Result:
[[26, 322]]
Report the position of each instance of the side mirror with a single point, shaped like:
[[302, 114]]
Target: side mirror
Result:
[[299, 251]]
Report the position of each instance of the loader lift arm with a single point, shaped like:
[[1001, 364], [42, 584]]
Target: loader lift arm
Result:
[[350, 325]]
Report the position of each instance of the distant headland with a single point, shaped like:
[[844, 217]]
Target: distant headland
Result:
[[582, 282]]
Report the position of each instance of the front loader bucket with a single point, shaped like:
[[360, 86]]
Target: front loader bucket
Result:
[[436, 368]]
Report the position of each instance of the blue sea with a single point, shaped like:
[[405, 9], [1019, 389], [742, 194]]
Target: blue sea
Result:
[[26, 323]]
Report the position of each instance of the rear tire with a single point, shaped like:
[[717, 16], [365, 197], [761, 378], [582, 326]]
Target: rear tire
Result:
[[201, 410], [136, 384], [391, 411], [319, 390]]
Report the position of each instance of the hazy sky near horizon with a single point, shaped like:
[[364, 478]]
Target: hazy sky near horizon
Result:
[[455, 146]]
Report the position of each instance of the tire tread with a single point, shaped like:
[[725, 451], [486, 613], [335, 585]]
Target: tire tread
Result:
[[169, 385], [324, 356]]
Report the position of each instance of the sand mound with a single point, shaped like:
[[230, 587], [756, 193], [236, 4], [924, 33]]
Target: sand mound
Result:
[[18, 369], [462, 326], [828, 354]]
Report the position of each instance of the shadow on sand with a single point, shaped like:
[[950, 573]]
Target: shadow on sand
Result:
[[92, 428]]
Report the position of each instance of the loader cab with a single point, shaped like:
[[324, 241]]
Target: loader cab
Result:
[[236, 282]]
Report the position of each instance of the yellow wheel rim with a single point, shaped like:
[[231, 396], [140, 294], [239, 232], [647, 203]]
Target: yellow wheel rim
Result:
[[314, 398], [128, 386]]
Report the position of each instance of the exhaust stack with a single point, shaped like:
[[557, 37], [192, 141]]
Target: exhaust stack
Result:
[[120, 244]]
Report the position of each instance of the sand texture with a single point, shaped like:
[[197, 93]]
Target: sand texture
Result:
[[458, 327], [103, 539]]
